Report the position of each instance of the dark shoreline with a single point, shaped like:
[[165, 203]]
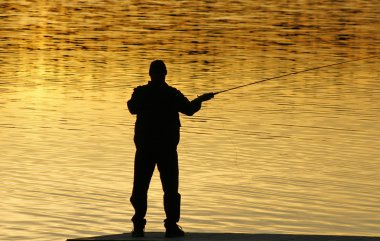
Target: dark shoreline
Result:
[[155, 236]]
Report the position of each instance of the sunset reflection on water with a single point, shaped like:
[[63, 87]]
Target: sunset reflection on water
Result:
[[293, 155]]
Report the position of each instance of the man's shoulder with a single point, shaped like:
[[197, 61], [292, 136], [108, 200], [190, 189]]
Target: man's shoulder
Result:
[[140, 88], [177, 94], [171, 88], [150, 87]]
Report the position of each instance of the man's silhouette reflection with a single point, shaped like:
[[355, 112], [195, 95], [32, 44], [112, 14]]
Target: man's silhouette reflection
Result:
[[157, 133]]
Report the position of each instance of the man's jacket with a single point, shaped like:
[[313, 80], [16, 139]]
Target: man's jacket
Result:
[[157, 106]]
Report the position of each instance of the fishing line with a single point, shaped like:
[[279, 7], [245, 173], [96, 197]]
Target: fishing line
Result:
[[293, 73]]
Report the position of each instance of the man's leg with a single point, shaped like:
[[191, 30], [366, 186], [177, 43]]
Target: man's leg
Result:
[[168, 167], [143, 171]]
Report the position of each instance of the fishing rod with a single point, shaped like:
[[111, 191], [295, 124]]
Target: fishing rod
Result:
[[293, 73]]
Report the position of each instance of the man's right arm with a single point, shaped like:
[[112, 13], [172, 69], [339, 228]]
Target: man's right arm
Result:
[[191, 107]]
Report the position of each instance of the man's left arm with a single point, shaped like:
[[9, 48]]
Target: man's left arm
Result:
[[133, 103]]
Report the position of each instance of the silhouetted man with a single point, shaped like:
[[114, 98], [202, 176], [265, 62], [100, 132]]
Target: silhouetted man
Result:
[[157, 133]]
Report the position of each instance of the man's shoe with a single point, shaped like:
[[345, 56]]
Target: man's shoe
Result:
[[173, 231], [138, 227], [138, 233]]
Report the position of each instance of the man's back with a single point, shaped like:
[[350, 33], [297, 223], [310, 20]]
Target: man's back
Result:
[[157, 106]]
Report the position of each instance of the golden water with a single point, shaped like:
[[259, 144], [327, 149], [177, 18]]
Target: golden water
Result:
[[292, 155]]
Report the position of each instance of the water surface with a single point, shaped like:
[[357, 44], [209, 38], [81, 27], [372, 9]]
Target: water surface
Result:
[[292, 155]]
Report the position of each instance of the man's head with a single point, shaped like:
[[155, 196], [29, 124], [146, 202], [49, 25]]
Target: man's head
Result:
[[157, 70]]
